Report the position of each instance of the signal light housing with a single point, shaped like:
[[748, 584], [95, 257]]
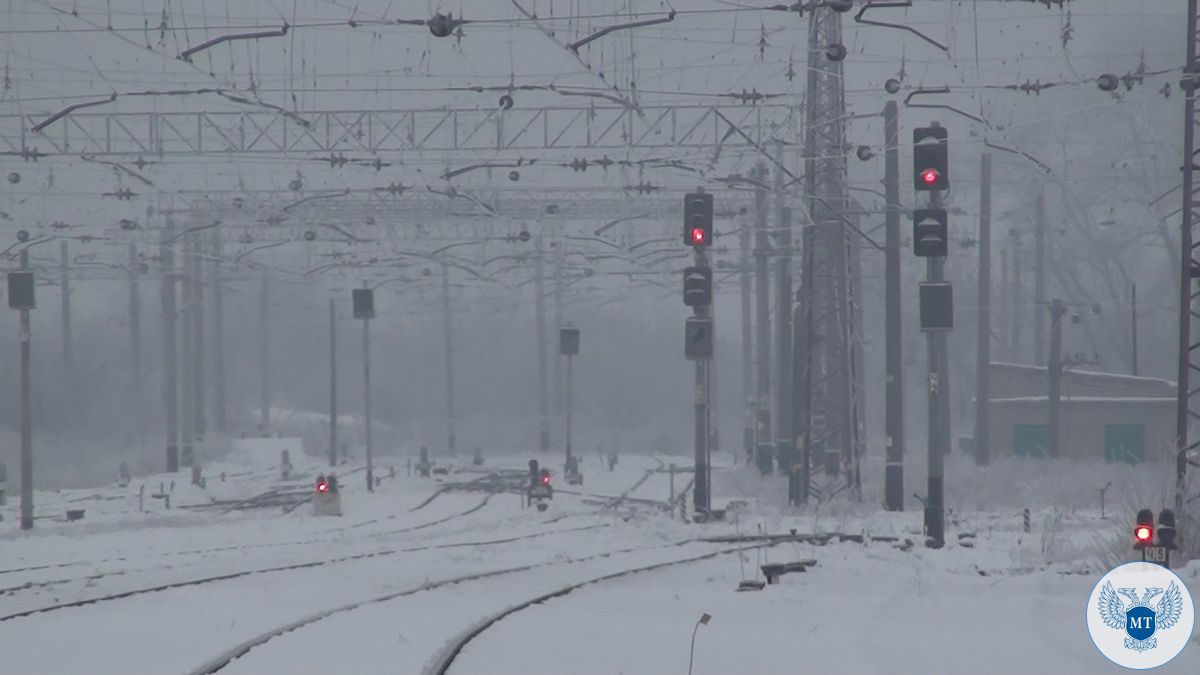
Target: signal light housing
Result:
[[697, 286], [697, 219], [931, 235], [1143, 532], [931, 170], [1166, 528]]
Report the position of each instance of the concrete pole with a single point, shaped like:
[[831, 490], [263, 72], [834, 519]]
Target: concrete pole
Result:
[[170, 343], [68, 347], [1133, 327], [784, 388], [1017, 310], [1039, 289], [559, 253], [26, 413], [893, 354], [762, 318], [570, 406], [199, 377], [264, 354], [135, 318], [448, 335], [187, 403], [333, 401], [366, 347], [540, 327], [1057, 310], [218, 336], [983, 366], [744, 284]]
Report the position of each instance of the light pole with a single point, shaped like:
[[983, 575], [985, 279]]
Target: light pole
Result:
[[702, 621], [364, 309], [21, 297]]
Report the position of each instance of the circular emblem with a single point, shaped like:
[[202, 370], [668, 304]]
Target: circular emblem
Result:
[[1140, 615]]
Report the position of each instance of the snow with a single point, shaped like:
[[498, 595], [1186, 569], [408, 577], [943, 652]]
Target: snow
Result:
[[1012, 603]]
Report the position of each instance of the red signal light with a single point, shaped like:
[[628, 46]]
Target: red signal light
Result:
[[930, 176], [1143, 534], [323, 486], [545, 479], [699, 237]]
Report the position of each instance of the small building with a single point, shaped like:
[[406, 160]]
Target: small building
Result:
[[1118, 417]]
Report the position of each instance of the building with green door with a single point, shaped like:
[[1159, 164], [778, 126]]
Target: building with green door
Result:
[[1117, 417]]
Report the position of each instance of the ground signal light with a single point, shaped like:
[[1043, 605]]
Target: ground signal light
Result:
[[1143, 532]]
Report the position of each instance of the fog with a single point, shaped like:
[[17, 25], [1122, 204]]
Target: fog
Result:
[[1105, 159]]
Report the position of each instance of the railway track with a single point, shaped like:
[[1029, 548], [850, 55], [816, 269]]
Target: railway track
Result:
[[223, 660], [446, 658], [284, 568]]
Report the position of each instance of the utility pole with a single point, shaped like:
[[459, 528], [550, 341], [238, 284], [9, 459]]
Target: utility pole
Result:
[[747, 346], [264, 354], [1039, 281], [366, 349], [448, 334], [1133, 326], [540, 327], [1005, 300], [1057, 310], [802, 367], [170, 358], [199, 373], [135, 317], [1017, 307], [1185, 405], [218, 326], [893, 355], [333, 406], [558, 319], [26, 413], [68, 351], [762, 292], [187, 403], [983, 365], [784, 389]]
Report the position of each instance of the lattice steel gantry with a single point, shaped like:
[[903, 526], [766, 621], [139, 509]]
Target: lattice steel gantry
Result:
[[828, 426]]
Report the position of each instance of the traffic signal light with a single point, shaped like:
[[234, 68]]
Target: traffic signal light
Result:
[[1143, 532], [931, 238], [20, 290], [697, 218], [698, 338], [546, 477], [697, 286], [364, 303], [931, 170], [1166, 528], [322, 484]]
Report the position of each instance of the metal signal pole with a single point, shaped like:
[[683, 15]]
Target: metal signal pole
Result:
[[26, 413], [939, 422], [170, 345], [333, 406], [701, 492], [984, 344], [893, 490], [762, 292], [366, 349], [448, 335]]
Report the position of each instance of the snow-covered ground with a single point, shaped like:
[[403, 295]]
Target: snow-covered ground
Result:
[[400, 578]]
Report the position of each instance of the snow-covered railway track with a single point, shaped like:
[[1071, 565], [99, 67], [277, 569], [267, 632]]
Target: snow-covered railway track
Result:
[[283, 568], [241, 650], [445, 659]]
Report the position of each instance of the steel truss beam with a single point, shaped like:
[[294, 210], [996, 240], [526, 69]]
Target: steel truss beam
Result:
[[370, 133]]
